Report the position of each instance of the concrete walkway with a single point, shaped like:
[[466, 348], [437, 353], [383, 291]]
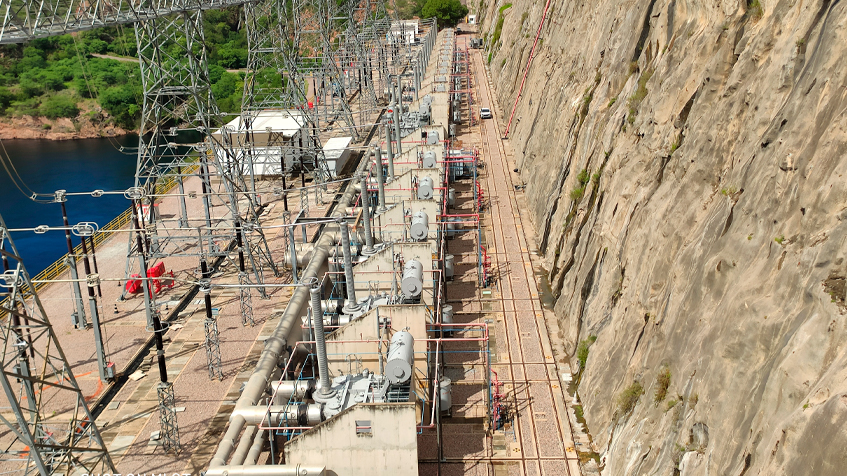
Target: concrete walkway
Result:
[[540, 438]]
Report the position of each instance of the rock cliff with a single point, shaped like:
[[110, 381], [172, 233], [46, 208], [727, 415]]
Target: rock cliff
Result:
[[685, 166]]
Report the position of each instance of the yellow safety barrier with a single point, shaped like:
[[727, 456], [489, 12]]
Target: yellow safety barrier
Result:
[[60, 266]]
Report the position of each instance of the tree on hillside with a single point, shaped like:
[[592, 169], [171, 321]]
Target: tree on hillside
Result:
[[448, 12]]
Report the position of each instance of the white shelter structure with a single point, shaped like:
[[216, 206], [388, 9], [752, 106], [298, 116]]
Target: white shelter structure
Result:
[[272, 136]]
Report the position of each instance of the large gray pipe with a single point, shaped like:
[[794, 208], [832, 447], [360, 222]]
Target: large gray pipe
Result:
[[243, 445], [268, 470], [269, 359], [320, 339], [256, 449], [352, 305], [366, 216], [300, 414], [380, 180]]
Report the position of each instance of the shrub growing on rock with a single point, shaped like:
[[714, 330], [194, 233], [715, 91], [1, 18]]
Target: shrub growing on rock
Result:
[[629, 398]]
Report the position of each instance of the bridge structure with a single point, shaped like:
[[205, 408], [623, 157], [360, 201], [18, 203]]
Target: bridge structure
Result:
[[328, 60]]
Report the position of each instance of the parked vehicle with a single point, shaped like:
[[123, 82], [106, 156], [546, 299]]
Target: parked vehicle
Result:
[[485, 113]]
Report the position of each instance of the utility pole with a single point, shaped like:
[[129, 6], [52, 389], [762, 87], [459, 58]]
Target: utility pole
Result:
[[106, 369], [78, 317], [244, 291]]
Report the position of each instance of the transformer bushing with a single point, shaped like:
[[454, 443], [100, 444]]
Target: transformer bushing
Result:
[[380, 179], [351, 306], [366, 216], [397, 129], [320, 341], [293, 247], [390, 148]]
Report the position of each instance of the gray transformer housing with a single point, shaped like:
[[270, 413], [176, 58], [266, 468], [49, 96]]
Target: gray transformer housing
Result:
[[429, 160], [445, 395], [419, 230], [401, 358], [449, 266], [425, 188], [412, 283]]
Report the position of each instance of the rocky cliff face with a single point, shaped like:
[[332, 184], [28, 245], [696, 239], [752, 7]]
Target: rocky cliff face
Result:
[[685, 165]]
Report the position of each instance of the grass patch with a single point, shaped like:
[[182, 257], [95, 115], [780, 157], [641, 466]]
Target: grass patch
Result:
[[613, 101], [577, 409], [503, 63], [596, 177], [638, 96], [629, 397], [582, 177], [663, 381], [728, 191], [577, 193], [586, 101], [693, 399], [676, 143], [755, 10], [498, 28], [671, 404], [524, 15], [582, 350], [779, 239]]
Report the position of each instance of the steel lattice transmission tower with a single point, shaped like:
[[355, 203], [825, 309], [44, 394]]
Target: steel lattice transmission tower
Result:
[[313, 56], [53, 430]]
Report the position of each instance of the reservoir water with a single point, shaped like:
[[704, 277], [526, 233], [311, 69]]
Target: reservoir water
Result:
[[45, 166]]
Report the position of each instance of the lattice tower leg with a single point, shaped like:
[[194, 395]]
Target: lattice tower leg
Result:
[[246, 301], [210, 327], [169, 429]]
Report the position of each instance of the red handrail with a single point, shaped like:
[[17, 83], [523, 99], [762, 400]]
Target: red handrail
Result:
[[526, 71]]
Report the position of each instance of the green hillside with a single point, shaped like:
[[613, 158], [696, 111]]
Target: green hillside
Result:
[[59, 76]]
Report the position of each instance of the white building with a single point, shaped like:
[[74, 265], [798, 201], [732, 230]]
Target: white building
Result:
[[272, 136], [337, 154]]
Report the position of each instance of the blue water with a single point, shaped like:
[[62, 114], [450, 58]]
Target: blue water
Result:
[[76, 166]]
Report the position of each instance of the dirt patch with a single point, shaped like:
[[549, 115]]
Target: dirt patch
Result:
[[84, 126]]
